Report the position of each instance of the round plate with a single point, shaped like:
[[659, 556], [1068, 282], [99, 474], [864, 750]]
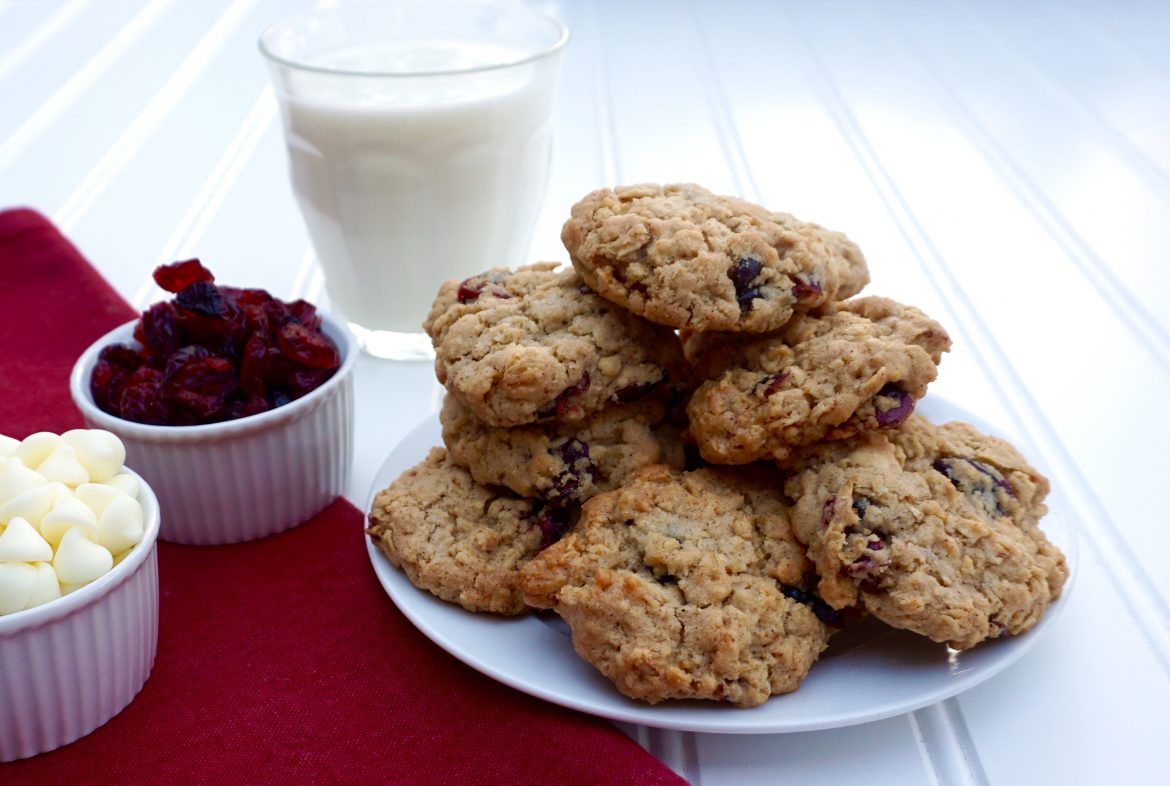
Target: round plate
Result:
[[868, 672]]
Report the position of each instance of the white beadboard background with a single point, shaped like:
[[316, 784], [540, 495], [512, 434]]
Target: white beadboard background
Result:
[[1004, 165]]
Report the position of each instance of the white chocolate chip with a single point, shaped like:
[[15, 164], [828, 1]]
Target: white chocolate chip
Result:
[[79, 560], [16, 478], [45, 588], [97, 496], [126, 482], [17, 580], [8, 446], [100, 452], [68, 514], [63, 466], [31, 506], [35, 448], [121, 525], [20, 542]]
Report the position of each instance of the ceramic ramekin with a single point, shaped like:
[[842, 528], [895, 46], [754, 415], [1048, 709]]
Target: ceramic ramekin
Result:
[[70, 665], [242, 479]]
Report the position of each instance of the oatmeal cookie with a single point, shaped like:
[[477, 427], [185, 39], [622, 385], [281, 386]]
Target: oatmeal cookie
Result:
[[687, 586], [562, 462], [682, 256], [459, 540], [861, 366], [536, 343], [929, 528]]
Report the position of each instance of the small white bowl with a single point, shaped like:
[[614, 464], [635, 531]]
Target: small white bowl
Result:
[[70, 665], [241, 479]]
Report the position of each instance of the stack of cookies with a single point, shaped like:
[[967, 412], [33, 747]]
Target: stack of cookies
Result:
[[699, 449]]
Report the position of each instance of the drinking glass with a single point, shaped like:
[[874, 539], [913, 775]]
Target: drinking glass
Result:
[[418, 140]]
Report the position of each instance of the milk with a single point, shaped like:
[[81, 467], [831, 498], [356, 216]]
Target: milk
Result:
[[407, 180]]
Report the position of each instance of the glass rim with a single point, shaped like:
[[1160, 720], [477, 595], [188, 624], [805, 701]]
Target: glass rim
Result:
[[556, 46]]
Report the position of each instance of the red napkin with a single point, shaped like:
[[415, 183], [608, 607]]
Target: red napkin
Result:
[[282, 660]]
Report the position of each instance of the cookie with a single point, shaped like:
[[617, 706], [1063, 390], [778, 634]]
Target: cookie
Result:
[[682, 256], [537, 344], [686, 586], [929, 528], [459, 540], [562, 462], [861, 366]]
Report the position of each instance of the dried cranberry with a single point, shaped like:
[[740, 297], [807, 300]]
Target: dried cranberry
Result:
[[574, 454], [114, 364], [823, 611], [979, 481], [636, 391], [770, 383], [252, 364], [177, 276], [200, 384], [305, 381], [829, 511], [196, 328], [742, 273], [143, 403], [564, 401], [204, 298], [249, 304], [242, 408], [897, 414], [553, 523], [806, 286], [160, 328], [469, 290], [862, 566], [303, 346], [305, 313], [181, 357]]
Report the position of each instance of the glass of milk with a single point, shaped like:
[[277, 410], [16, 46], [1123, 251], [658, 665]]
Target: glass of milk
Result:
[[419, 142]]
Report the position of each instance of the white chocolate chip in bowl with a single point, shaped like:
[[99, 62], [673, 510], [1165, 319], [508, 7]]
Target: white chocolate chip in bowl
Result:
[[32, 505], [35, 448], [121, 525], [45, 588], [68, 514], [16, 478], [129, 484], [63, 466], [80, 560], [17, 580], [20, 542], [101, 453], [98, 496]]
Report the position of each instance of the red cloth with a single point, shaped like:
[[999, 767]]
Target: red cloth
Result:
[[282, 660]]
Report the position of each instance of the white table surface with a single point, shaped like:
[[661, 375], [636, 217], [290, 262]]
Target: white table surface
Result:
[[1005, 166]]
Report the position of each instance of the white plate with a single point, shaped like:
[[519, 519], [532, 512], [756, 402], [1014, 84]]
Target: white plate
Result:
[[869, 671]]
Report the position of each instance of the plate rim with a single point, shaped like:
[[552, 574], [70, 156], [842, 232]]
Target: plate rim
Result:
[[707, 717]]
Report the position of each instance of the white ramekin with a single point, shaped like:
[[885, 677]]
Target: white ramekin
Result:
[[70, 665], [241, 479]]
